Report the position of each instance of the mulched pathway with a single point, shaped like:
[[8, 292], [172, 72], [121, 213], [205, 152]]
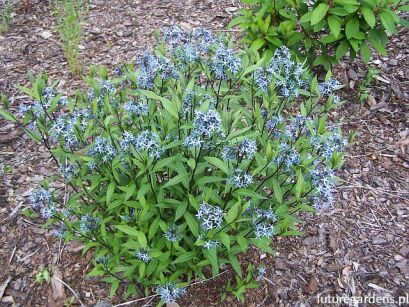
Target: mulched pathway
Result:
[[360, 247]]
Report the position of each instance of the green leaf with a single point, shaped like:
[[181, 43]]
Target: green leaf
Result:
[[128, 230], [225, 238], [181, 209], [278, 192], [192, 223], [142, 239], [235, 264], [175, 180], [129, 191], [110, 192], [211, 254], [319, 13], [334, 25], [352, 27], [376, 38], [185, 257], [342, 49], [369, 16], [164, 163], [365, 52], [218, 163], [388, 22], [169, 106], [242, 241], [258, 44], [114, 288], [7, 115], [232, 213]]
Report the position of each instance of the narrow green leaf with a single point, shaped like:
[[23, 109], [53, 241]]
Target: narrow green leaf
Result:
[[192, 223], [128, 230], [218, 163], [185, 257], [129, 191], [110, 192], [211, 255]]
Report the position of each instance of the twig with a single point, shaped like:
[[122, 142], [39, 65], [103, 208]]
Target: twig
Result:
[[28, 256], [12, 254], [72, 291]]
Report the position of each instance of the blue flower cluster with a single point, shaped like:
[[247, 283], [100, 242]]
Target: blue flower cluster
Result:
[[323, 181], [151, 66], [89, 223], [68, 170], [287, 156], [171, 234], [329, 145], [169, 293], [273, 122], [41, 200], [66, 127], [263, 222], [136, 108], [143, 254], [225, 63], [211, 217], [240, 178], [205, 124], [145, 141], [103, 148], [286, 74], [245, 150], [188, 47]]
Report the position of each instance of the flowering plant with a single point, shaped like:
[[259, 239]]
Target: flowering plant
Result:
[[186, 160]]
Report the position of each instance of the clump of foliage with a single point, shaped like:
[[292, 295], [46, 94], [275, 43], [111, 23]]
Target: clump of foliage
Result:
[[364, 93], [185, 160], [5, 14], [69, 17], [322, 31]]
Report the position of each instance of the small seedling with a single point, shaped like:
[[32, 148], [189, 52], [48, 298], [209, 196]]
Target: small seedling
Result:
[[69, 15], [43, 275], [364, 92], [8, 169]]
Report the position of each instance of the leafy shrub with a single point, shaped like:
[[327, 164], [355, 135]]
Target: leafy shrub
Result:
[[323, 31], [69, 16], [185, 161]]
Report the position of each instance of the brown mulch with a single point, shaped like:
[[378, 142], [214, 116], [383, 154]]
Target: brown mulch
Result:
[[360, 247]]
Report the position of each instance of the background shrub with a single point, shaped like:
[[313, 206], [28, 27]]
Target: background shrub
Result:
[[184, 161], [322, 31]]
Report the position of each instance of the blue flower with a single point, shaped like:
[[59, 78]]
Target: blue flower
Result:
[[261, 273], [225, 62], [210, 244], [240, 179], [143, 254], [211, 217], [136, 109], [171, 234], [89, 223], [169, 293]]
